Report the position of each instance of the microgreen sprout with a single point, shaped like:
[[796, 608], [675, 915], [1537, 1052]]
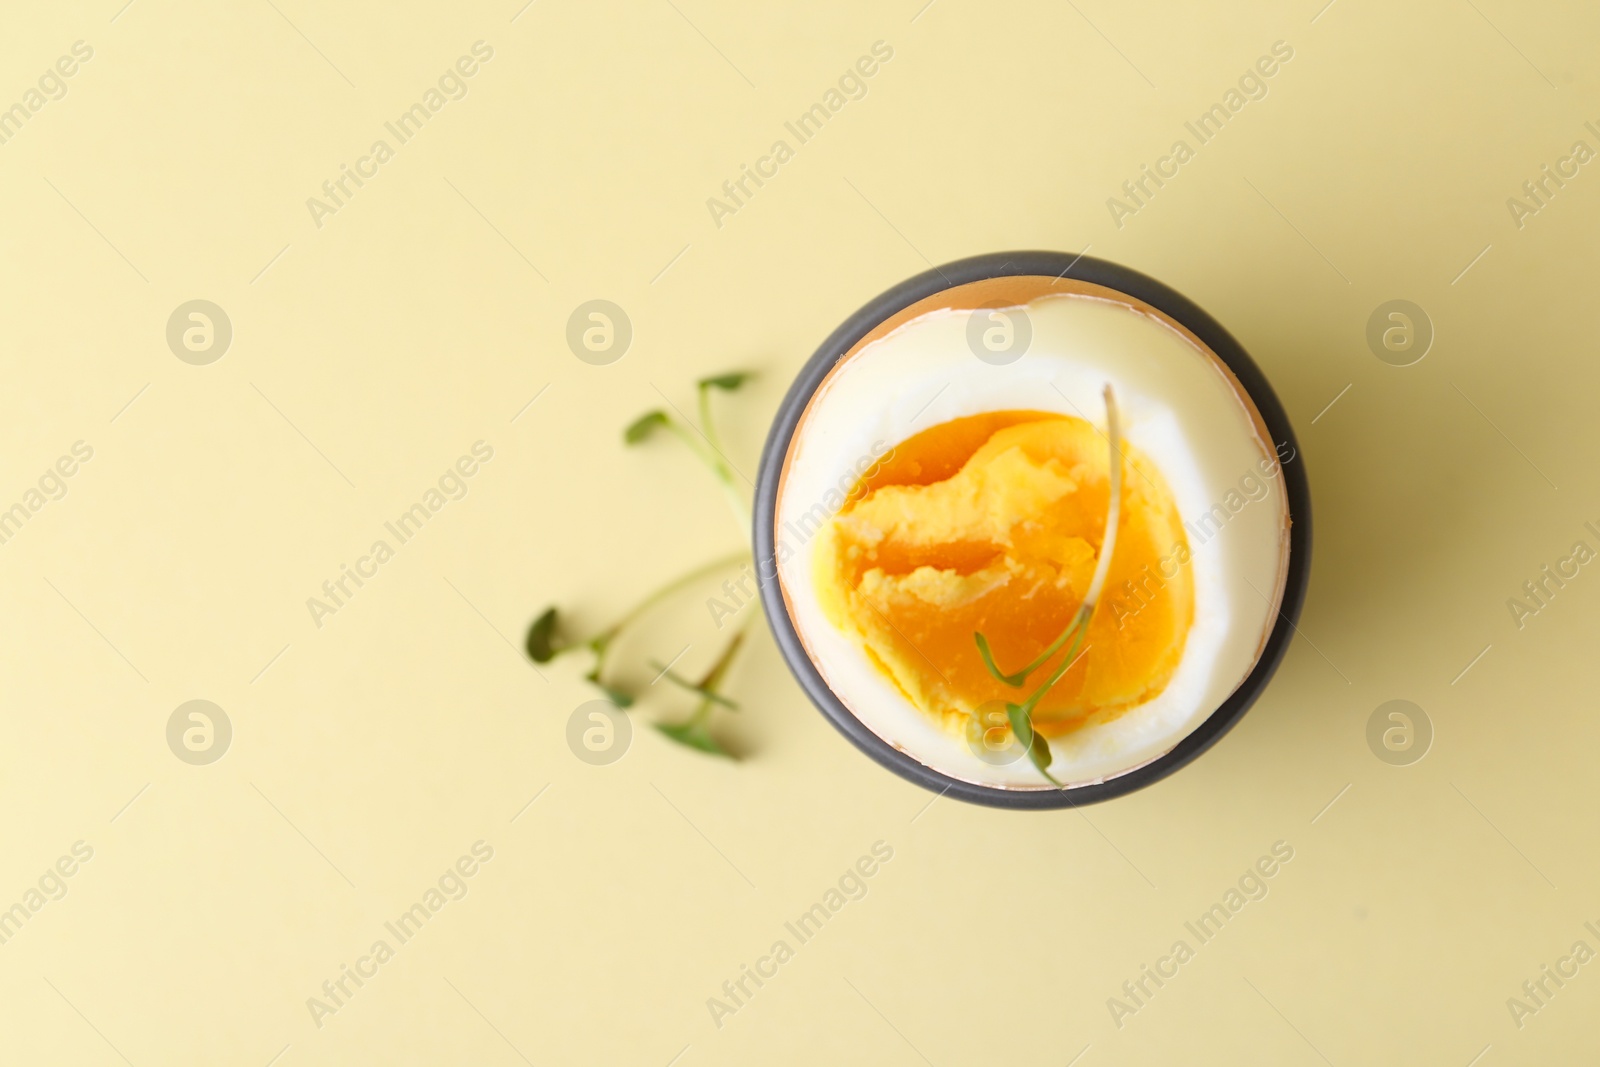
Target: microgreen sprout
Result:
[[1021, 715], [703, 442], [546, 639]]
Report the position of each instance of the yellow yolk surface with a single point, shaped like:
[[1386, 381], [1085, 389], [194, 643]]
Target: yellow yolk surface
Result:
[[993, 524]]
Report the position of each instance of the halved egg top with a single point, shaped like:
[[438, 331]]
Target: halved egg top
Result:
[[979, 506]]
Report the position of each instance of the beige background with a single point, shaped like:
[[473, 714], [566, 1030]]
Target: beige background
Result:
[[368, 354]]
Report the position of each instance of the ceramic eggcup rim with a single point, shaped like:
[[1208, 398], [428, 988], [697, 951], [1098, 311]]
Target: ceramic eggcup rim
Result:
[[1046, 265]]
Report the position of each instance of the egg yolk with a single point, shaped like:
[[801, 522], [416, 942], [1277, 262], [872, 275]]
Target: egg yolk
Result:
[[993, 524]]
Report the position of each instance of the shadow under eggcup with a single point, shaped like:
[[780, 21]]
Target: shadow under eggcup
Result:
[[1012, 280]]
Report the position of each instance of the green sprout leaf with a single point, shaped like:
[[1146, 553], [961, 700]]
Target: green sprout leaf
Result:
[[1014, 680], [1038, 748], [726, 382], [1021, 725], [695, 735], [546, 640], [1039, 753], [694, 732], [541, 643], [643, 426]]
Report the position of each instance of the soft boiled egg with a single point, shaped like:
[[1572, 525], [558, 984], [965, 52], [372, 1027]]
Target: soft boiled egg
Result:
[[932, 492]]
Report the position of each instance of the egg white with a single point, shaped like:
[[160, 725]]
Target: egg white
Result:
[[1176, 404]]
